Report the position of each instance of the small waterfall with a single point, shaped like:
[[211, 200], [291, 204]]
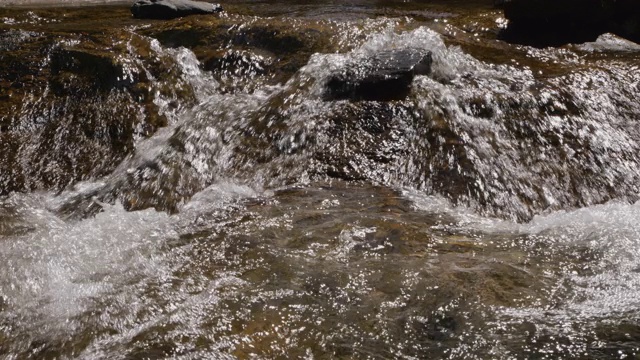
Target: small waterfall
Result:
[[494, 137]]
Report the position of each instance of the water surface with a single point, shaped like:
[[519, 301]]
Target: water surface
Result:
[[182, 189]]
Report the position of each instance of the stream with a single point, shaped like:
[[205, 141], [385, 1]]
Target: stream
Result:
[[184, 189]]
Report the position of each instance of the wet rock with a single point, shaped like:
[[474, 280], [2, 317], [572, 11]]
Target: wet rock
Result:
[[553, 22], [70, 109], [171, 9], [98, 69], [609, 43], [269, 50], [382, 77]]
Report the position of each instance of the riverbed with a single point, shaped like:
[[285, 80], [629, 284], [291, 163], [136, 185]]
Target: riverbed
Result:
[[185, 189]]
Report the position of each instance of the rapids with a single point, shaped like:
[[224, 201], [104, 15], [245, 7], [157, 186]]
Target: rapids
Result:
[[183, 189]]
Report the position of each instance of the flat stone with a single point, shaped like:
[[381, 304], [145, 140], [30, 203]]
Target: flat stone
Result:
[[171, 9]]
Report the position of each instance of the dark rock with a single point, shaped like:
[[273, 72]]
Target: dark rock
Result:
[[558, 22], [382, 77], [98, 69], [71, 108], [171, 9]]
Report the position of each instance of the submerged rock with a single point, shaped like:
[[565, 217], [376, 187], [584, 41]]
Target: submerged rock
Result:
[[557, 22], [382, 77], [171, 9]]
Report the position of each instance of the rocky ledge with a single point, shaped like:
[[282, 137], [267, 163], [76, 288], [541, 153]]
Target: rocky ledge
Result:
[[557, 22]]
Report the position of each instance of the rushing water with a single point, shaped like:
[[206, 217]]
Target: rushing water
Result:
[[185, 190]]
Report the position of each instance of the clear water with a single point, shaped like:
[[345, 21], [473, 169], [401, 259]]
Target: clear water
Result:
[[491, 214]]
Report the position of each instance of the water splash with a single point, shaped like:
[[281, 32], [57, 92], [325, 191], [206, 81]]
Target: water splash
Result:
[[57, 271]]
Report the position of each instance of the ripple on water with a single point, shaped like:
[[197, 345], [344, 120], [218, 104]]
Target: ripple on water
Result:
[[239, 272]]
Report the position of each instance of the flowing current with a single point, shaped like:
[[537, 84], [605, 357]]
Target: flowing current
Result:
[[491, 213]]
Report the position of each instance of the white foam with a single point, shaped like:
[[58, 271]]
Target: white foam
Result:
[[54, 272], [610, 286]]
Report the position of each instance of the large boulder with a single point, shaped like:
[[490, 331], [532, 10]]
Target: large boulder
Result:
[[384, 76], [557, 22], [171, 9]]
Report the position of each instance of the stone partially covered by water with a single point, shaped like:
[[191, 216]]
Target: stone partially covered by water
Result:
[[510, 141], [511, 151], [74, 107], [63, 105]]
